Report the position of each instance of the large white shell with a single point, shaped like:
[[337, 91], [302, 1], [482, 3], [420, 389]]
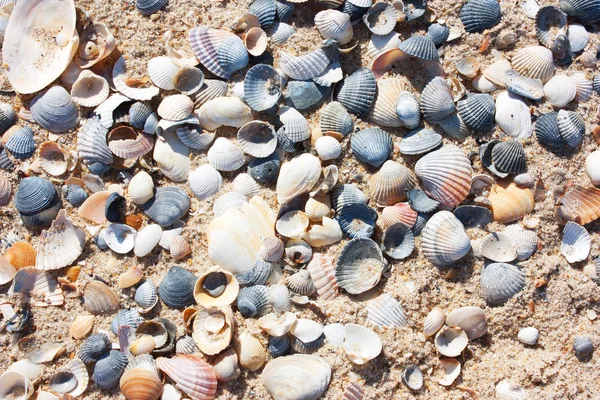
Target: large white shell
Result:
[[119, 76], [147, 239], [576, 242], [361, 344], [172, 157], [228, 111], [297, 176], [512, 116], [60, 245], [162, 71], [560, 91], [299, 376], [205, 181], [224, 155], [140, 188]]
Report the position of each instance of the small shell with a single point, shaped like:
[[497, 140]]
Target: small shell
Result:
[[304, 67], [468, 66], [205, 43], [512, 116], [126, 317], [52, 251], [583, 347], [451, 369], [191, 374], [257, 138], [257, 275], [175, 107], [570, 127], [195, 138], [55, 110], [383, 111], [479, 15], [509, 157], [255, 41], [81, 326], [205, 181], [525, 240], [120, 238], [89, 90], [578, 37], [444, 239], [361, 344], [232, 55], [213, 329], [436, 100], [357, 91], [380, 19], [433, 322], [576, 242], [371, 146], [322, 272], [498, 247], [295, 126], [353, 391], [478, 112], [298, 376], [265, 11], [292, 224], [168, 206], [438, 33], [585, 11], [298, 251], [356, 220], [297, 176], [413, 377], [408, 110], [279, 298], [386, 311], [94, 347], [318, 207], [560, 91], [398, 241], [227, 111], [451, 341], [146, 240], [161, 71], [20, 255], [420, 141], [226, 366], [12, 381], [281, 33], [507, 390], [471, 319], [120, 82], [300, 283], [421, 47], [99, 299], [272, 249], [509, 202], [262, 87], [535, 62], [210, 89], [7, 117], [360, 266], [390, 184], [148, 7], [146, 295], [584, 87], [21, 144], [333, 24], [188, 80], [251, 353], [177, 288], [528, 336], [401, 212], [140, 188], [216, 288], [253, 301], [334, 117], [500, 282], [328, 148]]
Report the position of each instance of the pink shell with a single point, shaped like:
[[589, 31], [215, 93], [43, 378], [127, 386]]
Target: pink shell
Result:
[[401, 212], [322, 273], [191, 374]]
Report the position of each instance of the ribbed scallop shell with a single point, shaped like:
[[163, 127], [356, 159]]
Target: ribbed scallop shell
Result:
[[438, 33], [420, 141], [413, 377], [265, 10], [304, 67], [356, 220], [386, 311], [161, 71], [253, 301], [295, 126], [281, 32], [449, 186], [89, 90], [334, 117], [390, 184], [560, 90], [381, 18], [383, 111], [571, 127], [94, 347], [7, 117], [345, 195], [285, 9], [328, 148], [40, 285], [246, 185], [305, 95], [224, 155], [298, 251], [205, 43], [175, 107], [360, 266], [479, 15], [191, 374], [55, 110], [5, 161], [576, 242], [322, 272], [420, 47], [127, 143], [60, 245], [108, 369], [398, 241], [148, 7], [299, 376], [205, 181], [168, 206], [433, 322], [371, 146], [583, 347], [584, 87], [400, 212], [477, 112], [146, 295], [297, 176], [357, 92], [20, 144], [436, 100], [535, 62], [586, 11], [211, 89], [232, 55], [578, 37], [91, 143], [444, 239], [177, 288], [258, 275], [5, 190], [581, 205], [353, 391], [408, 110], [509, 157], [301, 283], [262, 87], [500, 282], [333, 24]]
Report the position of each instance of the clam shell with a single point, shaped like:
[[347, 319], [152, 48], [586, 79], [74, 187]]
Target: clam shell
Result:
[[169, 205], [298, 376], [420, 141], [500, 282], [216, 288], [583, 347], [335, 334], [479, 15], [60, 245], [119, 79], [359, 266], [271, 249], [213, 329], [74, 194], [576, 242], [550, 22], [512, 116], [560, 90], [585, 11], [21, 144], [571, 127], [483, 84], [258, 275], [578, 37], [334, 117], [140, 379], [232, 55], [127, 143], [108, 369], [34, 195], [436, 100], [253, 301], [451, 369], [205, 44], [413, 377], [177, 288], [386, 311], [257, 138], [89, 90], [498, 247], [175, 107], [421, 47], [188, 80], [147, 239], [297, 176], [318, 207], [305, 67], [470, 319], [91, 144], [20, 254], [478, 112], [408, 110], [281, 33], [140, 188], [262, 87], [81, 326], [322, 273], [191, 374], [328, 148], [380, 19], [444, 239], [120, 238], [255, 41], [226, 366], [535, 62], [438, 33], [509, 202], [401, 212], [433, 322], [398, 241], [390, 184], [468, 66], [172, 157], [205, 181], [298, 251], [451, 341], [146, 295], [126, 317], [292, 224], [356, 220], [94, 347], [251, 353], [55, 159], [448, 186], [265, 10], [228, 111], [333, 24], [295, 126], [357, 91], [161, 71], [528, 335], [361, 344], [525, 240], [383, 111], [371, 146], [419, 201]]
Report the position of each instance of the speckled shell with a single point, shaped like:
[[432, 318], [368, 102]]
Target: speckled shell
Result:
[[262, 87], [500, 282], [333, 24], [436, 100], [478, 15], [444, 239], [390, 184], [371, 146], [55, 110], [169, 205], [534, 62], [576, 242], [420, 47], [334, 117], [383, 111], [21, 144], [386, 311], [357, 92], [360, 266], [477, 112]]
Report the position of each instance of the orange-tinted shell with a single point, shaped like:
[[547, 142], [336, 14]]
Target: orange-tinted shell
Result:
[[82, 325], [134, 220], [141, 384], [191, 374], [581, 205], [509, 202], [92, 208], [401, 212], [20, 255]]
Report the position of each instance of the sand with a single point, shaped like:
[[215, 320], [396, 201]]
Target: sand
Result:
[[558, 307]]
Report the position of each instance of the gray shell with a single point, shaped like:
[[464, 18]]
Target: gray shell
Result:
[[509, 157], [232, 55], [546, 131], [583, 347], [7, 117], [91, 143], [438, 33], [94, 347], [454, 127], [127, 316], [358, 258], [479, 15], [55, 110], [168, 206], [194, 137], [5, 162], [416, 11], [413, 377], [334, 117], [74, 194], [284, 9], [596, 84], [357, 91], [436, 100], [306, 348], [587, 11], [550, 22], [253, 301], [278, 345], [473, 216], [108, 369], [211, 89], [304, 95], [398, 241], [420, 202], [408, 110], [500, 282], [345, 195], [139, 113], [146, 294], [265, 10], [262, 87], [571, 127], [257, 275], [21, 144], [204, 42], [307, 66], [301, 283], [478, 112], [371, 146], [420, 223], [150, 6], [186, 345], [420, 47], [266, 170], [177, 288], [356, 221], [34, 195], [420, 141]]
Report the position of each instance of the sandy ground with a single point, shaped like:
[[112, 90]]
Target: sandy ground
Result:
[[558, 309]]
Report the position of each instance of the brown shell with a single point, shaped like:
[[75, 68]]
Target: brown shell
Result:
[[130, 277], [141, 384], [510, 202], [20, 255], [73, 273], [98, 299], [580, 204], [134, 220], [82, 325]]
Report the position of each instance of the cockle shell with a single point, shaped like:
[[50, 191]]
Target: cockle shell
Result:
[[262, 87], [444, 239], [322, 272], [560, 90], [401, 212], [140, 188], [175, 107], [228, 111], [297, 176], [436, 100], [299, 376], [191, 374], [55, 110], [171, 157], [383, 111], [333, 24], [357, 91], [128, 143], [386, 311], [176, 289], [576, 242], [89, 90], [420, 141], [20, 254], [584, 87], [451, 341], [478, 15], [251, 353], [281, 32], [205, 181], [161, 71], [99, 299], [390, 184], [535, 62], [500, 282], [359, 266], [433, 322], [328, 148], [307, 66], [361, 344], [60, 245], [371, 146], [421, 47]]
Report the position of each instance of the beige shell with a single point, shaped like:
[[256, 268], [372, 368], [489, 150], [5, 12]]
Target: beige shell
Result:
[[300, 283], [175, 107], [329, 232], [297, 176], [318, 207], [82, 325], [96, 43], [333, 24], [204, 299], [251, 353], [510, 202], [172, 157], [256, 41], [401, 212], [451, 341], [535, 62], [496, 73], [5, 190], [120, 82], [99, 299], [292, 224], [7, 273], [299, 376], [16, 382], [361, 344], [226, 366], [140, 188], [212, 329], [451, 367], [383, 110], [92, 208], [322, 272], [42, 286], [55, 159], [20, 254], [130, 277], [89, 90], [390, 184], [180, 248], [470, 319], [277, 324], [140, 379], [145, 344], [433, 322], [60, 245], [227, 111]]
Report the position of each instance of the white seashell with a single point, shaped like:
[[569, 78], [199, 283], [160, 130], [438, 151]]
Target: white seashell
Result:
[[470, 319], [277, 325], [224, 155], [512, 116], [251, 353], [246, 185], [507, 390], [54, 159], [592, 166], [299, 376], [161, 71], [297, 176], [205, 181], [147, 239], [281, 32], [227, 201], [584, 87], [386, 311], [560, 90], [333, 24], [16, 382], [292, 224], [168, 235], [89, 90], [451, 369], [496, 73], [483, 85], [306, 330], [361, 344], [531, 8], [451, 341], [172, 157], [525, 240], [444, 240], [120, 81], [379, 44], [279, 297], [576, 242], [140, 188], [535, 62], [60, 245], [105, 110], [529, 336], [335, 334], [120, 238], [499, 247], [225, 366], [578, 37], [228, 111], [328, 148], [295, 126], [433, 322], [175, 107]]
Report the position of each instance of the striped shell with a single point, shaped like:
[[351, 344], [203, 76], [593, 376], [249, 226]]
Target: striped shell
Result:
[[262, 87], [390, 184], [500, 282], [304, 67], [265, 10], [444, 239], [161, 71], [205, 181], [420, 141], [21, 144], [299, 376], [357, 92], [535, 62], [205, 44], [322, 272], [560, 90], [232, 54], [333, 24], [509, 202], [408, 110], [281, 32], [479, 15], [334, 117], [381, 18], [5, 190], [297, 176], [52, 249], [371, 146], [386, 311], [191, 374], [383, 111], [420, 47], [576, 242], [477, 111], [587, 12], [436, 100], [295, 126], [55, 110], [360, 266], [168, 206], [509, 157]]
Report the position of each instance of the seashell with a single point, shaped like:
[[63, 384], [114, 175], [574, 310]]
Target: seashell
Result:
[[281, 32], [307, 66], [258, 275], [498, 247], [535, 62], [210, 89], [120, 238], [251, 353], [526, 87], [230, 200], [20, 144], [408, 110], [278, 345], [271, 249], [177, 288], [398, 213], [279, 298], [266, 169], [570, 127], [213, 329], [295, 126], [52, 251], [205, 181], [54, 159], [285, 9], [262, 87], [576, 242], [390, 184], [512, 116], [322, 273], [509, 202], [5, 191], [485, 85], [560, 90], [298, 376], [550, 23], [162, 70], [578, 37], [257, 138], [297, 176], [91, 144], [500, 282], [334, 117], [94, 347], [509, 157], [96, 43], [146, 240], [583, 347], [81, 326], [37, 201], [169, 205], [74, 194], [586, 12], [146, 295], [20, 255], [438, 33], [451, 369], [451, 341], [300, 283], [584, 87], [380, 44], [436, 100], [360, 266], [478, 112], [305, 95], [357, 91], [470, 319], [175, 107], [140, 379], [413, 377], [505, 389], [421, 47], [106, 110], [253, 301], [140, 188], [433, 322], [479, 15], [444, 239], [318, 207], [449, 187], [322, 235], [265, 10], [205, 44], [33, 63], [386, 311], [380, 18], [419, 201], [361, 344], [188, 80], [255, 41], [353, 391], [126, 317], [148, 7], [130, 277], [328, 148], [335, 334], [13, 383], [7, 117], [232, 55], [525, 240], [98, 299], [191, 374], [420, 141], [89, 90], [468, 66], [292, 224], [371, 146], [398, 241], [226, 366], [528, 335], [125, 142], [40, 286], [195, 138], [228, 111], [334, 24], [356, 220], [414, 9], [330, 178], [383, 111], [120, 82]]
